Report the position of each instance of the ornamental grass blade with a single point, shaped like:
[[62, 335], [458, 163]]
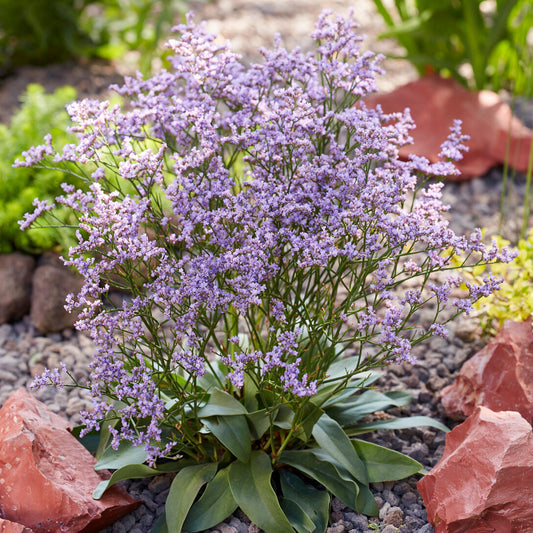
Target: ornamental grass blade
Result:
[[221, 404], [251, 488], [215, 504], [331, 437], [395, 423], [335, 479], [314, 502], [297, 516], [357, 407], [234, 434], [383, 464], [183, 491]]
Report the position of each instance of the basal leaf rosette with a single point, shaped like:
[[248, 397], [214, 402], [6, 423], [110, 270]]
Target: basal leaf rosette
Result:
[[275, 253]]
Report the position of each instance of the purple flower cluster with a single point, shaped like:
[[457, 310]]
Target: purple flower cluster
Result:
[[229, 198]]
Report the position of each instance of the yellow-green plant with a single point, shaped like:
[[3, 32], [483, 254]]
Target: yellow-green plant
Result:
[[514, 300]]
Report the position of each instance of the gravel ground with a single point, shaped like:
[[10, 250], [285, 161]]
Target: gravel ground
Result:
[[24, 352]]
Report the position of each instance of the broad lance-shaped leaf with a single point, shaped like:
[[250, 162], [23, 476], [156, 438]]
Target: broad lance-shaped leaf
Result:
[[127, 454], [331, 437], [353, 409], [259, 422], [365, 502], [233, 432], [311, 501], [134, 471], [183, 491], [221, 404], [383, 464], [336, 480], [297, 516], [251, 489], [215, 504], [395, 423]]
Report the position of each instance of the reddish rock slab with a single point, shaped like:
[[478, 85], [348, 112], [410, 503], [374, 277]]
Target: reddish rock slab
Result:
[[52, 282], [499, 377], [15, 286], [484, 481], [6, 526], [47, 476], [435, 102]]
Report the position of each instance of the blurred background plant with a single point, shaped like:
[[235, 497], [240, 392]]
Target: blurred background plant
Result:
[[40, 32], [39, 114], [514, 300], [484, 44]]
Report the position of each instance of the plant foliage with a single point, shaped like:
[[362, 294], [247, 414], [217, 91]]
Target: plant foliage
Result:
[[484, 45], [40, 32], [39, 114]]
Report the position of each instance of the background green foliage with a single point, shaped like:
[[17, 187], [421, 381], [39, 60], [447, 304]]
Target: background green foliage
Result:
[[481, 43], [48, 31], [40, 114]]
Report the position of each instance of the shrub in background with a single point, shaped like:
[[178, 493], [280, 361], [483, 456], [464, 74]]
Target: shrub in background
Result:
[[266, 229], [493, 40], [39, 114], [49, 31]]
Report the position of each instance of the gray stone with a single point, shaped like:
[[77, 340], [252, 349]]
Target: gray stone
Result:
[[389, 529], [390, 497], [357, 520]]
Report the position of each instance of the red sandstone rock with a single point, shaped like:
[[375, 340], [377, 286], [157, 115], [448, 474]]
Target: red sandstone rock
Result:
[[499, 377], [435, 102], [47, 476], [483, 483], [6, 526]]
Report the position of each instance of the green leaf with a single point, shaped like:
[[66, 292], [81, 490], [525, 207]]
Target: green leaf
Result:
[[368, 402], [234, 434], [284, 417], [136, 471], [297, 516], [90, 441], [365, 502], [215, 504], [331, 437], [183, 491], [250, 391], [335, 479], [221, 404], [259, 422], [160, 525], [396, 423], [127, 454], [311, 414], [251, 488], [383, 464], [314, 502]]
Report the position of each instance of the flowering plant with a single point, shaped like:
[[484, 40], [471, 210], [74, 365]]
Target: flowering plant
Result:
[[275, 253]]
